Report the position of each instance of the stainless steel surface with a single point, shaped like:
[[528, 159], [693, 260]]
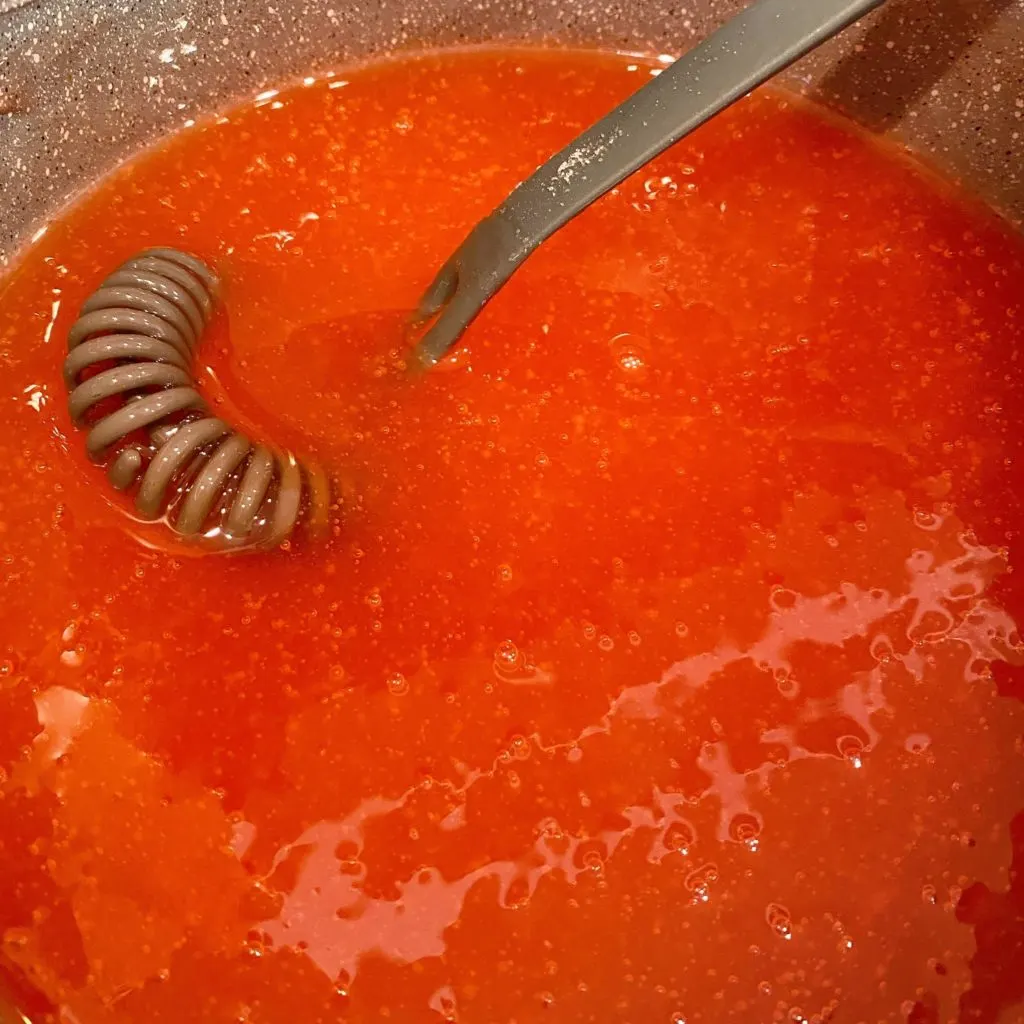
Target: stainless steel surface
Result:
[[84, 83]]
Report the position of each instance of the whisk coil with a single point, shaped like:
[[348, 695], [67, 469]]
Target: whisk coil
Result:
[[130, 382]]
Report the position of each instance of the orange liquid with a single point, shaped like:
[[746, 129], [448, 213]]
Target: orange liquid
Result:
[[663, 665]]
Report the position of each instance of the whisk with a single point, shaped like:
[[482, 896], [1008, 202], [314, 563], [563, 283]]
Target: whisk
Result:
[[747, 50], [129, 374], [129, 365]]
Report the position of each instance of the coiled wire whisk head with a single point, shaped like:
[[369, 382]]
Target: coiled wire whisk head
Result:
[[129, 374]]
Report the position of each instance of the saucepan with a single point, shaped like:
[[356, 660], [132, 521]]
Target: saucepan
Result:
[[86, 83]]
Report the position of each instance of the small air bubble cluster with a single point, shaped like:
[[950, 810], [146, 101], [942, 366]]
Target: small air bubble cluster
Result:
[[629, 353]]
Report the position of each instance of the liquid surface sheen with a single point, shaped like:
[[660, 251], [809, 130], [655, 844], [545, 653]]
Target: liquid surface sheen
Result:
[[663, 665]]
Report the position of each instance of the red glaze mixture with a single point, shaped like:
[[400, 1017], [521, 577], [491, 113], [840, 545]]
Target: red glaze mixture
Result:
[[663, 665]]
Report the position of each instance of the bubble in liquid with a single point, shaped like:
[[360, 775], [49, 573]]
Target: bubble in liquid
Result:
[[779, 920], [783, 599], [630, 359], [700, 880], [629, 353], [852, 749], [881, 649], [787, 686], [398, 685], [679, 837], [745, 829], [593, 861], [927, 520], [658, 186], [918, 743], [508, 659], [606, 643], [520, 748], [506, 652]]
